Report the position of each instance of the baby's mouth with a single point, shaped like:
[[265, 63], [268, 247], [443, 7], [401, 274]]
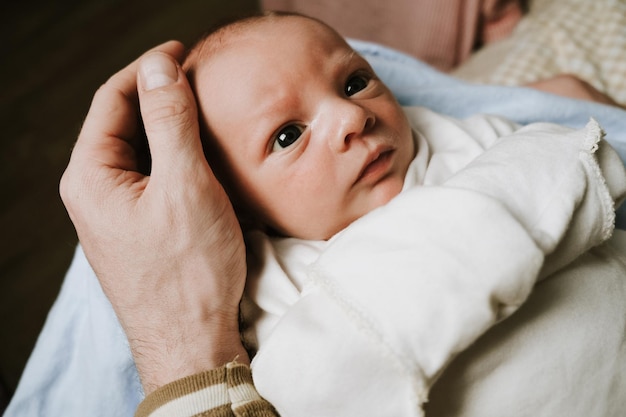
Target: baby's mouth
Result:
[[377, 167]]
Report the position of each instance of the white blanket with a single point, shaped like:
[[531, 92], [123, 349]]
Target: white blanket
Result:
[[365, 323]]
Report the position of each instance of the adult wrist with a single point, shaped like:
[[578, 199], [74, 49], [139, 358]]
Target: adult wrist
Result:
[[184, 351]]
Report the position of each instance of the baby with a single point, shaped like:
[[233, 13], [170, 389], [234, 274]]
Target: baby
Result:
[[367, 286], [303, 135]]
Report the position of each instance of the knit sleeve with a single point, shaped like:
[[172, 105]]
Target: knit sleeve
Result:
[[227, 391]]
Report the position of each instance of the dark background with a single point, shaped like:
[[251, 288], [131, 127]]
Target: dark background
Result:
[[54, 55]]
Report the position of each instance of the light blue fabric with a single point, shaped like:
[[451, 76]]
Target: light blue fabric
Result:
[[82, 365], [414, 83]]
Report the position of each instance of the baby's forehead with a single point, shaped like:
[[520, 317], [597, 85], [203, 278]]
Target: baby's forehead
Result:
[[232, 36]]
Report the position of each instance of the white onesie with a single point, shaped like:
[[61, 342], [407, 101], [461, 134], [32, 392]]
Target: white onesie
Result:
[[364, 323]]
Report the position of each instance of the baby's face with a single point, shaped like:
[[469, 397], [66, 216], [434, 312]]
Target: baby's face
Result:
[[311, 138]]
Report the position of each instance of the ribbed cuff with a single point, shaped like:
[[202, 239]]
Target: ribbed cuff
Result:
[[222, 392]]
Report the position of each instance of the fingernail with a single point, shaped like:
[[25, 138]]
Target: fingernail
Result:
[[157, 70]]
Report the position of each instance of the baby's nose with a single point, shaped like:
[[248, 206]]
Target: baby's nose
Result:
[[352, 121]]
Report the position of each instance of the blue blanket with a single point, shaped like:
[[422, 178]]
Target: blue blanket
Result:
[[82, 365]]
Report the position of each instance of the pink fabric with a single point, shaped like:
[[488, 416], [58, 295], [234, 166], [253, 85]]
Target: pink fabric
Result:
[[441, 32]]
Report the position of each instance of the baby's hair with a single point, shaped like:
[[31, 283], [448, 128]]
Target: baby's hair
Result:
[[218, 35]]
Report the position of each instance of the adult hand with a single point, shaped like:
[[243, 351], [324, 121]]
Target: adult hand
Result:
[[166, 247]]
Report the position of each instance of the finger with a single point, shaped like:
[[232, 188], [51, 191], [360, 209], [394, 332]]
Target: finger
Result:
[[113, 117], [103, 142], [126, 79], [168, 109]]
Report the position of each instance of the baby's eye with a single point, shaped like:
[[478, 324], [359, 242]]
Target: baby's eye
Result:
[[286, 137], [355, 84]]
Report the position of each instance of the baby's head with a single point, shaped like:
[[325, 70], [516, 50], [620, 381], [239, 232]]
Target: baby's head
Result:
[[298, 128]]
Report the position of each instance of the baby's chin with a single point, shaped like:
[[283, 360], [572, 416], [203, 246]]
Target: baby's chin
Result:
[[386, 191]]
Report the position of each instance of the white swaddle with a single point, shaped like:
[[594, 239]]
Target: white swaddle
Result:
[[365, 323]]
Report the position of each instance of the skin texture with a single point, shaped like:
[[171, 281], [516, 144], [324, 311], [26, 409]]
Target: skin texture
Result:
[[352, 143], [170, 258]]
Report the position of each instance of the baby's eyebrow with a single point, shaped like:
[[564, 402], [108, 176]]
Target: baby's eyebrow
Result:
[[350, 56], [339, 62], [278, 101]]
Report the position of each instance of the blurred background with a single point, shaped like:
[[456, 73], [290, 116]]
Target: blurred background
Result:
[[54, 56]]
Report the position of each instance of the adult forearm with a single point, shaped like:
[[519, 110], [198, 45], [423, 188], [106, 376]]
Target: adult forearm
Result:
[[175, 350]]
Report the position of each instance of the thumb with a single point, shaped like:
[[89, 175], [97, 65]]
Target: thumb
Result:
[[169, 113]]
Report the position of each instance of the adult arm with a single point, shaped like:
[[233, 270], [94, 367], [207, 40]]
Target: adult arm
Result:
[[165, 244], [568, 85]]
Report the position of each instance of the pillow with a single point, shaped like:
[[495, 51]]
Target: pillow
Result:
[[578, 37]]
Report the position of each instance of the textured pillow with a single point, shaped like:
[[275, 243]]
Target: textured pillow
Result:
[[579, 37]]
